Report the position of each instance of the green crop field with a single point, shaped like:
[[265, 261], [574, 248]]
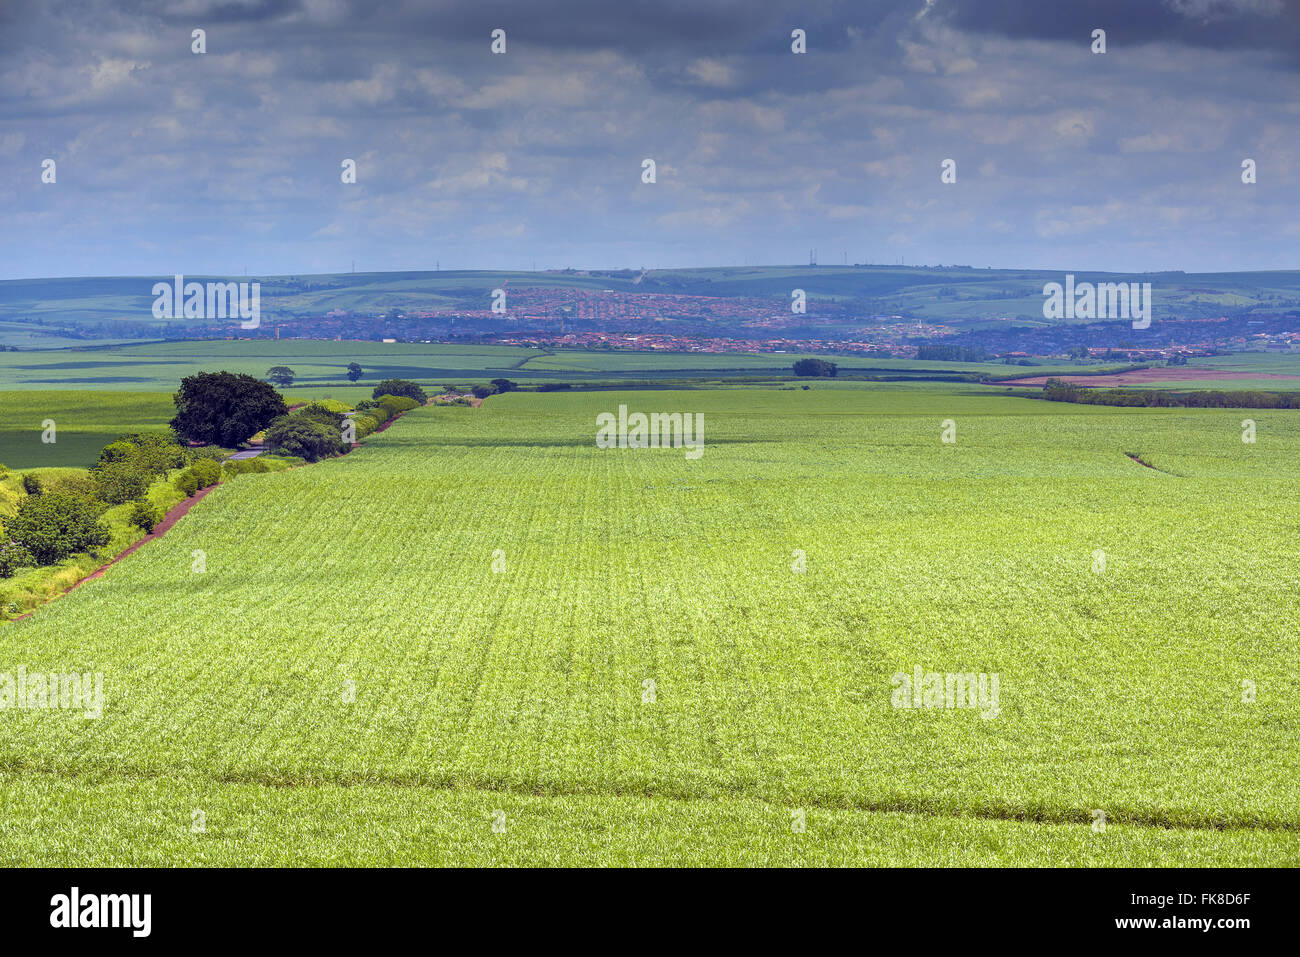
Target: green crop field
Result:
[[1221, 385], [83, 424], [1275, 363], [321, 366], [482, 639]]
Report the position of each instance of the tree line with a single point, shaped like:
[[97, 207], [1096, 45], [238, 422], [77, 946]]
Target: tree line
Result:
[[1058, 390]]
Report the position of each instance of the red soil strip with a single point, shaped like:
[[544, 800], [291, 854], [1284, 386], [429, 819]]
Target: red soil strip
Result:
[[1141, 376], [173, 516], [381, 428], [388, 423]]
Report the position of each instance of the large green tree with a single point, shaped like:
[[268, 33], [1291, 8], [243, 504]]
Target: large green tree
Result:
[[282, 376], [815, 367], [224, 408]]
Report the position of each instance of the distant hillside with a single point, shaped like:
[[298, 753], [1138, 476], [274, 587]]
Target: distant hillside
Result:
[[116, 307]]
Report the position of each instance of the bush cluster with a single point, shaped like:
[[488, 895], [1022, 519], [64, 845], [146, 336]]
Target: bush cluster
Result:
[[402, 387], [52, 526], [372, 414], [367, 423], [63, 516], [395, 405], [130, 464], [245, 466], [207, 471], [13, 556], [145, 516], [333, 405]]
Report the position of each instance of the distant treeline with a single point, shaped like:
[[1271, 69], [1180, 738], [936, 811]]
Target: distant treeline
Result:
[[1057, 390], [1100, 370], [948, 353]]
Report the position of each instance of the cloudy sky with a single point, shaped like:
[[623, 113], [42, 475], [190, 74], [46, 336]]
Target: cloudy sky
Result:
[[168, 161]]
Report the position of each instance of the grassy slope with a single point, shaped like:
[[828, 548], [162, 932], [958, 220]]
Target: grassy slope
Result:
[[522, 691], [32, 587], [27, 336], [937, 293]]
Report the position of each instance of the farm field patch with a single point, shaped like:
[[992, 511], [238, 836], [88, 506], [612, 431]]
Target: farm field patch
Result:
[[321, 366], [1173, 377], [122, 822], [647, 677], [83, 424]]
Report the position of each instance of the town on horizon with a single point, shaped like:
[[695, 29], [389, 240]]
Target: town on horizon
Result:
[[949, 313]]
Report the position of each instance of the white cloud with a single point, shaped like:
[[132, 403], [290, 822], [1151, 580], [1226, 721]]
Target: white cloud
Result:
[[112, 72], [711, 73]]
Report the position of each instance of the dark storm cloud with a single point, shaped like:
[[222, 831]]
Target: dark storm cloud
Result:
[[1215, 24], [665, 27]]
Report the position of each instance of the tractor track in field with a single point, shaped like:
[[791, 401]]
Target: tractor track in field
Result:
[[1155, 468], [919, 807]]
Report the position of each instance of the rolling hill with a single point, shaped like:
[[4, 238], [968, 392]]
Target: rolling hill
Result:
[[121, 307]]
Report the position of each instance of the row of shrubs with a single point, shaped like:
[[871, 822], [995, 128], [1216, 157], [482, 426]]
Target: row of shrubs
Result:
[[208, 472], [319, 431], [384, 409], [1058, 390], [202, 474]]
